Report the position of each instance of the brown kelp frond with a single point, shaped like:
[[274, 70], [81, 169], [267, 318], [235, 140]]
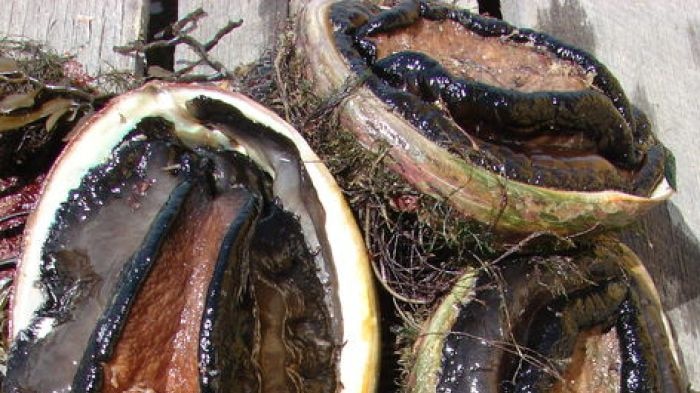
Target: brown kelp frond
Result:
[[42, 95]]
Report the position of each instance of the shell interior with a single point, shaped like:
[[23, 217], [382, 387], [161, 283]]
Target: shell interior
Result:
[[591, 322], [494, 164], [513, 101], [189, 240]]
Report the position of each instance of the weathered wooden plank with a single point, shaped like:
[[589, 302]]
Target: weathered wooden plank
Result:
[[88, 29], [263, 20], [654, 49]]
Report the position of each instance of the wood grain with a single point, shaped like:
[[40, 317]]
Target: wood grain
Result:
[[262, 22], [88, 29], [654, 50]]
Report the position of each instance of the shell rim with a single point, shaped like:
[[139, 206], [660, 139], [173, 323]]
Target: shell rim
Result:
[[356, 294], [330, 72]]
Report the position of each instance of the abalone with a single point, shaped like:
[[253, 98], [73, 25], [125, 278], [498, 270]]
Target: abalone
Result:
[[512, 127], [591, 321], [187, 239]]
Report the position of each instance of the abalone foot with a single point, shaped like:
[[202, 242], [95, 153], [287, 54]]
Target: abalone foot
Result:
[[553, 323], [493, 170], [187, 240]]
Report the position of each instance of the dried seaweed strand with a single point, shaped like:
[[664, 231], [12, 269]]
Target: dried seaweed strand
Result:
[[180, 36]]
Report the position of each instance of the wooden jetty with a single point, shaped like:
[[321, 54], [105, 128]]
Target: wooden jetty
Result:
[[653, 47]]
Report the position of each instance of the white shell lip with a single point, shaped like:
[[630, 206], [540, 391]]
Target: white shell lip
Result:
[[428, 347], [355, 286], [477, 192]]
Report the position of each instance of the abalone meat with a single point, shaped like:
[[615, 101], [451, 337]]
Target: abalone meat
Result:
[[188, 240]]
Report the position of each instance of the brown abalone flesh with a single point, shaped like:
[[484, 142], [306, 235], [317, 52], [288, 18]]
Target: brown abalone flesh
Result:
[[188, 239], [515, 129]]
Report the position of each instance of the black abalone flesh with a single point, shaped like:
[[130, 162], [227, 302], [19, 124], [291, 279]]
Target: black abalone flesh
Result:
[[512, 127], [589, 321], [187, 239]]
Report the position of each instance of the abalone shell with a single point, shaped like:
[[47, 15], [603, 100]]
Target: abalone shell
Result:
[[514, 128], [187, 239], [567, 322]]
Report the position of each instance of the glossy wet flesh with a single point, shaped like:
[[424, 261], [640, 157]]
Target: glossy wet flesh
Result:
[[516, 102], [534, 326], [181, 275]]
